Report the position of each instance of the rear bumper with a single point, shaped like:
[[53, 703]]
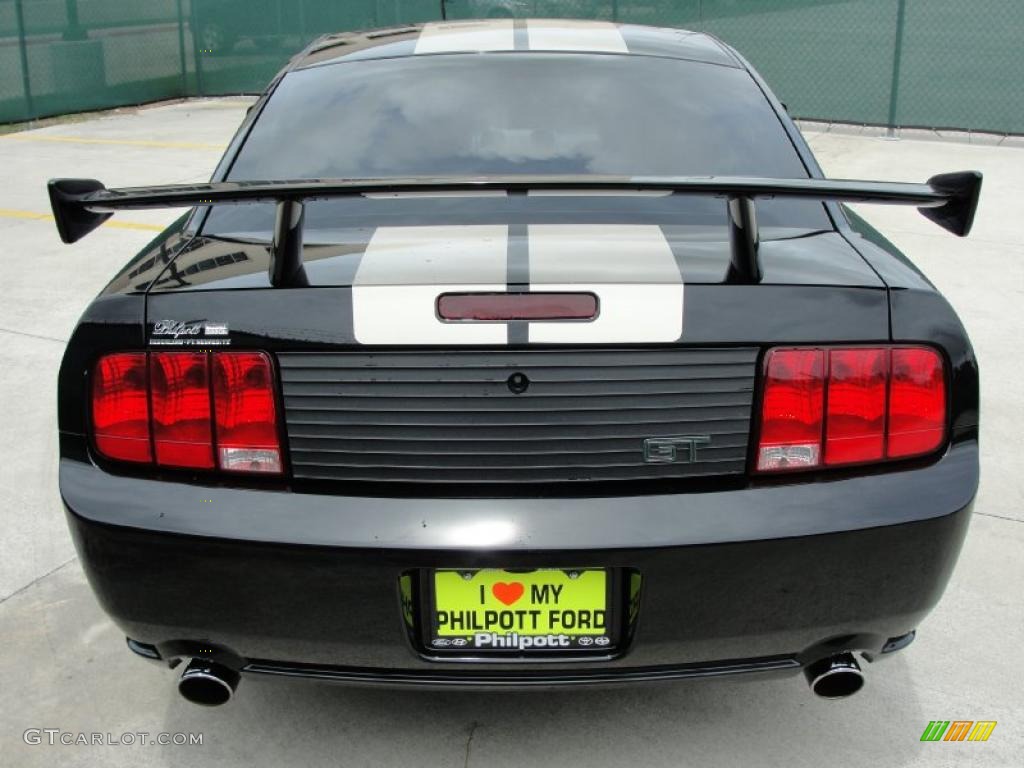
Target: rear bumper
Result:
[[763, 579], [521, 679]]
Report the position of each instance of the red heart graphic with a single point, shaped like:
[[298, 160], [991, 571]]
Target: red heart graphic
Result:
[[508, 593]]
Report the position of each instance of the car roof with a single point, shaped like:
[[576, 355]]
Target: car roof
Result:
[[517, 35]]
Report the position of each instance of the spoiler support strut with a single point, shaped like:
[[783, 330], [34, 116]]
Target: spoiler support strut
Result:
[[744, 239], [286, 268], [81, 205]]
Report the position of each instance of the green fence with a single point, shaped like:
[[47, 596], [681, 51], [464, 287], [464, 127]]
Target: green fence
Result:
[[928, 63]]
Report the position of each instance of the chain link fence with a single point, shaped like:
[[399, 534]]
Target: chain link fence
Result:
[[920, 63]]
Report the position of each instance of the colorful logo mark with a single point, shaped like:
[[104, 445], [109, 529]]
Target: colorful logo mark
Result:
[[958, 730]]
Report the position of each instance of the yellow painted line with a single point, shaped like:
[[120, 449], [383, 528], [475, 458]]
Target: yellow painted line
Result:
[[112, 142], [13, 213]]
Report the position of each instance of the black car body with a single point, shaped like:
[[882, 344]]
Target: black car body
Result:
[[612, 415]]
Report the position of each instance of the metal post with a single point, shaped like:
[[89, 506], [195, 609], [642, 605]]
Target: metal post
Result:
[[194, 23], [444, 10], [74, 29], [26, 81], [615, 10], [897, 56], [181, 50]]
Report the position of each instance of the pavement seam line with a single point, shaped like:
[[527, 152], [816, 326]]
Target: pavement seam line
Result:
[[999, 517], [32, 335], [36, 580], [469, 742]]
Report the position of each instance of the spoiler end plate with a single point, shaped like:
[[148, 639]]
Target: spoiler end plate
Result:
[[74, 220], [957, 215]]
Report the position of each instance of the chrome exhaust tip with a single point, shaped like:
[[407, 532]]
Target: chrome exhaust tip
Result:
[[835, 677], [208, 683]]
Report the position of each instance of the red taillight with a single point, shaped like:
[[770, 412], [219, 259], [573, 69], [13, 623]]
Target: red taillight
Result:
[[792, 409], [120, 407], [246, 414], [917, 403], [181, 409], [190, 392], [855, 423], [852, 405]]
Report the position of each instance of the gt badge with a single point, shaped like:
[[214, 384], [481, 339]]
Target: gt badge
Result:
[[667, 450]]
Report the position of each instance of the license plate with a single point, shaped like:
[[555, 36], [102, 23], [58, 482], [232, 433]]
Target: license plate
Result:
[[546, 610]]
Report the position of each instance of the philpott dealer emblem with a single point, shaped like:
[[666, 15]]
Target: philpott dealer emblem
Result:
[[189, 333]]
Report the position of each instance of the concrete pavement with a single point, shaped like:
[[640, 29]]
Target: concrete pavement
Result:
[[64, 665]]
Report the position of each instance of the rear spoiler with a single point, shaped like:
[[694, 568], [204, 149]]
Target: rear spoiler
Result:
[[81, 205]]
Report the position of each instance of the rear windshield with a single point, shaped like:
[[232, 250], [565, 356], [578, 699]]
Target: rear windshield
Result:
[[515, 114]]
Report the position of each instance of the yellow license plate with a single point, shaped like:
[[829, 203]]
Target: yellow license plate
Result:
[[538, 610]]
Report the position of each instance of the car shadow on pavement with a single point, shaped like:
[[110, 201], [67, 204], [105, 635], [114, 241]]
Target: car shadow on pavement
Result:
[[706, 722]]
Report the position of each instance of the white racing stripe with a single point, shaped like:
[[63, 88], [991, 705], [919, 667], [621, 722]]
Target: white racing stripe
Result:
[[405, 269], [630, 268], [560, 35], [455, 37], [435, 194], [598, 192]]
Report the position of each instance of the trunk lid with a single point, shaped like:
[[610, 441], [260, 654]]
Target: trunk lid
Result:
[[378, 391]]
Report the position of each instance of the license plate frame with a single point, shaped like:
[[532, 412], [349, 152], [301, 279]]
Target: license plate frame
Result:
[[581, 641]]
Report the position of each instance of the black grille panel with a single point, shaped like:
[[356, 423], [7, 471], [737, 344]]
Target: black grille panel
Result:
[[450, 417]]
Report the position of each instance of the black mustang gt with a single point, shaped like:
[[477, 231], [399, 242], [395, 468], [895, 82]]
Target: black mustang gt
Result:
[[513, 354]]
